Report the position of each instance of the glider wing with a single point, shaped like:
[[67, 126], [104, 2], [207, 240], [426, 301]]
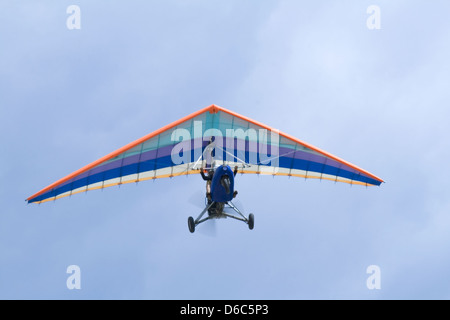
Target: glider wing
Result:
[[182, 147]]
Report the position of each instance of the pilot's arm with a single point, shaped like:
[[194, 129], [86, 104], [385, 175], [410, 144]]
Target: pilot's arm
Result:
[[206, 178]]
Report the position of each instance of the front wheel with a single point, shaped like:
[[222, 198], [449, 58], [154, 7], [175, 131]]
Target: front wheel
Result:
[[191, 224], [251, 221]]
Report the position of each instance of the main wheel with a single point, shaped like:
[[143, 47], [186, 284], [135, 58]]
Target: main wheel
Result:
[[191, 224], [251, 221]]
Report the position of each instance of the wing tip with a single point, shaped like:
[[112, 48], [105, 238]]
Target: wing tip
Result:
[[214, 108]]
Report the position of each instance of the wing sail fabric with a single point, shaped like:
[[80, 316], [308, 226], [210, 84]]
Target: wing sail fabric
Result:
[[181, 148]]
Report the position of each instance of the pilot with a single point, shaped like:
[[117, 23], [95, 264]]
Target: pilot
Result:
[[208, 178]]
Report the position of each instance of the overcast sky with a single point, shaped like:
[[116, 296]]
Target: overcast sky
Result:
[[378, 98]]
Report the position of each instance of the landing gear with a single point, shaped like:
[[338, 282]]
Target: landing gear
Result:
[[216, 211], [191, 224], [251, 221]]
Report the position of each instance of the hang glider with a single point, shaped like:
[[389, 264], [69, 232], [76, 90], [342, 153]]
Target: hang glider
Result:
[[179, 149]]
